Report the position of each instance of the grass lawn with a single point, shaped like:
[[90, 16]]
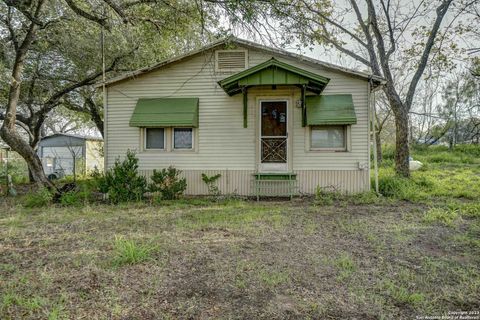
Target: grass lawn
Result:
[[336, 258], [236, 259]]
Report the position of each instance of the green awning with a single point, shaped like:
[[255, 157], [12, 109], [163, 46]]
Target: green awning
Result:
[[330, 109], [273, 72], [165, 112]]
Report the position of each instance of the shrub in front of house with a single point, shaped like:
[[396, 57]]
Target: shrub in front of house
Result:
[[325, 197], [167, 183], [38, 199], [211, 182], [122, 182]]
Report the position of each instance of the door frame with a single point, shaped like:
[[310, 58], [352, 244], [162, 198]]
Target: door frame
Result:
[[273, 167]]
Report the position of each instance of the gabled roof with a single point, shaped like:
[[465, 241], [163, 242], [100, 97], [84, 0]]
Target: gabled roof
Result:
[[249, 44], [73, 136], [273, 72]]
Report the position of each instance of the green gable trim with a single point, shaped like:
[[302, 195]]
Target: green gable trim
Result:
[[273, 72], [330, 110], [165, 112]]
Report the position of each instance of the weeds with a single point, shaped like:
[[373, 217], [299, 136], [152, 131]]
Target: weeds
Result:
[[402, 295], [327, 198], [274, 278], [70, 198], [38, 199], [443, 216], [468, 210], [346, 265], [211, 183], [323, 197], [129, 252]]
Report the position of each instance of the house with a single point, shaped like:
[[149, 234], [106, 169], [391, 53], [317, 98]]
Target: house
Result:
[[267, 120], [65, 154]]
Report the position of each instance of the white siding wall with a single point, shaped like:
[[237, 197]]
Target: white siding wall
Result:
[[93, 155], [223, 143]]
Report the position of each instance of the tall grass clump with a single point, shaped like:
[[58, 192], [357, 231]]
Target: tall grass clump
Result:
[[460, 154], [324, 197], [127, 252], [443, 216], [38, 199], [391, 185]]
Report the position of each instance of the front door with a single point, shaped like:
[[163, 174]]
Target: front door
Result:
[[273, 136]]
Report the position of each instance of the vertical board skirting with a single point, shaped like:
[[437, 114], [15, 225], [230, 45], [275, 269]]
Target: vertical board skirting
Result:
[[350, 181], [240, 182]]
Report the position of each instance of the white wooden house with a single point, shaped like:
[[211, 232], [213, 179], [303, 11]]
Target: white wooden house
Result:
[[249, 112]]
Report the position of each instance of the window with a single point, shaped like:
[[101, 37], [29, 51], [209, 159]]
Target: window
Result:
[[230, 60], [155, 138], [182, 138], [328, 138]]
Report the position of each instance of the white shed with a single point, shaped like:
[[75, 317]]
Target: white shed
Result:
[[65, 153], [263, 118]]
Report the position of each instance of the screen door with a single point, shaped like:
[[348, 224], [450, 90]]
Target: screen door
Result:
[[273, 135]]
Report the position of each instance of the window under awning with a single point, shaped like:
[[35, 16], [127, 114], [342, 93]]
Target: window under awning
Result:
[[165, 112], [330, 110]]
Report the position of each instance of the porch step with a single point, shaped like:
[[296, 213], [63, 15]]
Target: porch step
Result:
[[275, 184]]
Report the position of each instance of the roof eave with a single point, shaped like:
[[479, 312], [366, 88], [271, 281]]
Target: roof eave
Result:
[[380, 80]]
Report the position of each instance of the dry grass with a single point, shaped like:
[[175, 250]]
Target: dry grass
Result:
[[237, 259]]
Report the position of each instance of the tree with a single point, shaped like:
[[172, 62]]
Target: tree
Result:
[[382, 116], [8, 131], [376, 39], [461, 108], [52, 60]]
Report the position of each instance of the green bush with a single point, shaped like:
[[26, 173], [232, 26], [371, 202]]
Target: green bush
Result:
[[168, 184], [211, 183], [38, 199], [324, 197], [72, 198], [122, 182]]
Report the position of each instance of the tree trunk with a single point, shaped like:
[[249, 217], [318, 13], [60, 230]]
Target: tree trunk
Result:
[[8, 131], [31, 158], [34, 146], [95, 114], [402, 153], [379, 148]]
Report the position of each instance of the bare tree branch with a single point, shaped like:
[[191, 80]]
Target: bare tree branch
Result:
[[441, 11], [100, 20]]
